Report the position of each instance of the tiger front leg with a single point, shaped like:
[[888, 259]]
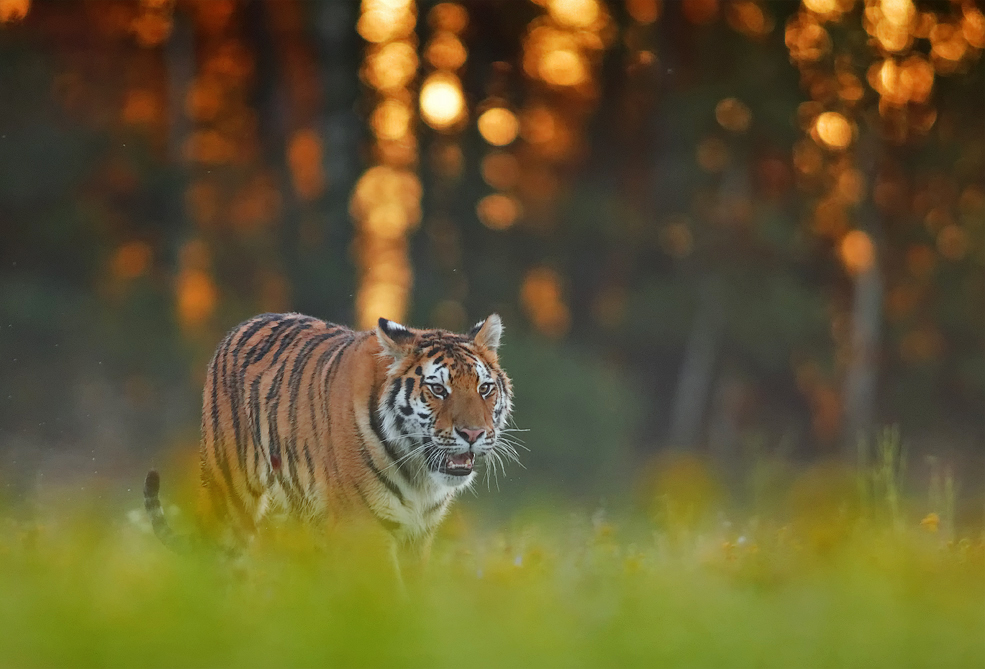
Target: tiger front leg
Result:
[[411, 557]]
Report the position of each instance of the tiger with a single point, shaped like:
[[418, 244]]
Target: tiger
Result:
[[326, 424]]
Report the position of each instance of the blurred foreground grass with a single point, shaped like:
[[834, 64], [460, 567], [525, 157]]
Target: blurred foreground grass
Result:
[[822, 584]]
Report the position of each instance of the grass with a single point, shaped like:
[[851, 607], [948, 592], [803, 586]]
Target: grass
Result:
[[842, 574]]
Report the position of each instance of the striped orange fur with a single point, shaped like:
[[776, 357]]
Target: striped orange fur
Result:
[[326, 423]]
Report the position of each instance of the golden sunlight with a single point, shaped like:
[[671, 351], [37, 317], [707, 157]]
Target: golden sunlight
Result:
[[391, 66], [442, 101], [384, 20], [574, 13]]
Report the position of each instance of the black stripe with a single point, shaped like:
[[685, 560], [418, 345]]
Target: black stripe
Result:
[[294, 389], [381, 477], [314, 417], [254, 402], [220, 454], [256, 325], [391, 398], [263, 346], [288, 339], [215, 399], [297, 371], [333, 354], [368, 459], [311, 467], [287, 478], [227, 477], [377, 428], [234, 391]]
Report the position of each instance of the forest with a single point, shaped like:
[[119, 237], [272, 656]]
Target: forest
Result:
[[738, 248]]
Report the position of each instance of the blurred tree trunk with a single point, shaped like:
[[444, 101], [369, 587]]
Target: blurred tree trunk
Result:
[[339, 54], [697, 369], [179, 55], [859, 389], [858, 393], [694, 387]]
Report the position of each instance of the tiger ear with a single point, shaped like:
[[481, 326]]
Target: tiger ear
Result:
[[396, 340], [488, 332]]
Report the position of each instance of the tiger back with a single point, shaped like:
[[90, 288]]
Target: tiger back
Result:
[[328, 424]]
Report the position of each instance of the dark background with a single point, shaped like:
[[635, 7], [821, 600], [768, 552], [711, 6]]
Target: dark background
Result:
[[734, 228]]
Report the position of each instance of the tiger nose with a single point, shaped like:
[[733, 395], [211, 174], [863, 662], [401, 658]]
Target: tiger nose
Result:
[[470, 436]]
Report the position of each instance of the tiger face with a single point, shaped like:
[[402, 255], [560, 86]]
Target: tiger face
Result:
[[446, 401]]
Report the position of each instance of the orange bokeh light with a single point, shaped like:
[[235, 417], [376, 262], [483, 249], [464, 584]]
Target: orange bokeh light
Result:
[[733, 114], [898, 12], [449, 16], [575, 13], [141, 107], [542, 300], [563, 67], [644, 11], [973, 26], [833, 130], [712, 154], [445, 51], [197, 296], [391, 120], [947, 42], [382, 185], [304, 157], [12, 11], [806, 39], [952, 242], [132, 260], [500, 170], [857, 252], [384, 20], [153, 26], [700, 12], [442, 101], [498, 126], [498, 211], [749, 18], [391, 66]]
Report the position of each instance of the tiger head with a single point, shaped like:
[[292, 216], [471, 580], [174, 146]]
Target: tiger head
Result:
[[446, 401]]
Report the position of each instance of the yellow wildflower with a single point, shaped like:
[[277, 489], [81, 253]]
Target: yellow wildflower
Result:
[[930, 522]]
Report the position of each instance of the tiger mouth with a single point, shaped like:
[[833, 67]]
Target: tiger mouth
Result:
[[456, 464], [444, 462]]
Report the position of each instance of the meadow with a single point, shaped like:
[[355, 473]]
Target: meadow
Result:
[[844, 570]]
